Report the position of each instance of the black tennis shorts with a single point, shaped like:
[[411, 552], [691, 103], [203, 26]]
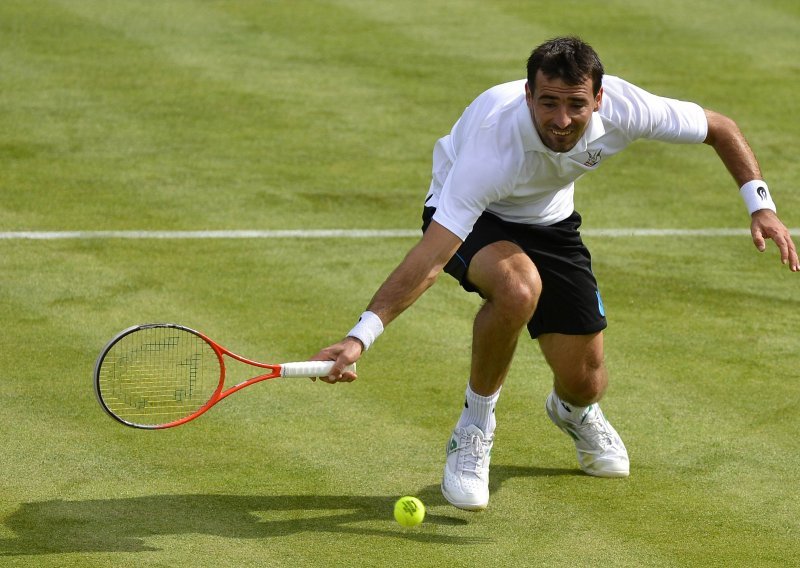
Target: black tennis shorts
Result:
[[570, 302]]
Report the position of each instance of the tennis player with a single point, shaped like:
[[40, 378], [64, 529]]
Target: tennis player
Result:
[[499, 217]]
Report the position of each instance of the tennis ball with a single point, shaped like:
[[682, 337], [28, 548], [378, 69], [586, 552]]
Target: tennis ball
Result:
[[409, 511]]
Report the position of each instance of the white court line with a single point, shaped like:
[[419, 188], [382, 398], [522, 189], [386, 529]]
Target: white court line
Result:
[[666, 232], [278, 234], [337, 233]]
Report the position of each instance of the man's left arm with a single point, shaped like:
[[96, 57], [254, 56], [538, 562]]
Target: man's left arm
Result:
[[734, 151]]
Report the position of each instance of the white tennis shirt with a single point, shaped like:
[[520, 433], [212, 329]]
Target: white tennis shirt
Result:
[[493, 159]]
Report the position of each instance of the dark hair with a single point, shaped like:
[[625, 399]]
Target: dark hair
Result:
[[567, 58]]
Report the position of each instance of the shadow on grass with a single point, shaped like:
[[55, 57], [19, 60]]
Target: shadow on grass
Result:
[[124, 525]]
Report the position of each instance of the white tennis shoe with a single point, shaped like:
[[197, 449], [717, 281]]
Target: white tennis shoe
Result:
[[465, 483], [600, 449]]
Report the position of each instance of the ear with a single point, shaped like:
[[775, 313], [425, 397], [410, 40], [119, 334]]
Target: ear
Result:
[[598, 99]]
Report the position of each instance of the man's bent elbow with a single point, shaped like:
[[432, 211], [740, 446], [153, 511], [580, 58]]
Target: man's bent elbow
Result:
[[720, 127]]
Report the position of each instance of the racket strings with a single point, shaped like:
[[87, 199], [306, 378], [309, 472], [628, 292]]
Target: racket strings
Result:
[[157, 375]]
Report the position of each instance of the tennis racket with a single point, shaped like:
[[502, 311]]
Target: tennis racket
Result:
[[161, 375]]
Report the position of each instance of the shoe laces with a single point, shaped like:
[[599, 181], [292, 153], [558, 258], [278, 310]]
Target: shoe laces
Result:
[[474, 451], [595, 430]]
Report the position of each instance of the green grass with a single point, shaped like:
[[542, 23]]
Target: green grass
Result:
[[190, 115]]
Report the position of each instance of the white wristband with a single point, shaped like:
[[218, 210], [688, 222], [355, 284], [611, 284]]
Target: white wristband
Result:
[[756, 196], [367, 330]]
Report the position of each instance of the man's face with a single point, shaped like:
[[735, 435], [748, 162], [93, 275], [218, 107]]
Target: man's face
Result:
[[561, 112]]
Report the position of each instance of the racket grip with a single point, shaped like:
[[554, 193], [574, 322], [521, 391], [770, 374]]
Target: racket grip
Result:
[[310, 369]]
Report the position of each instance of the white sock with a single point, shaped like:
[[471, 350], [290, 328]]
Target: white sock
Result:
[[569, 411], [479, 410]]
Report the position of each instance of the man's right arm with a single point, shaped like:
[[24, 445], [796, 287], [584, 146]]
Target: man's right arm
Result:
[[412, 277]]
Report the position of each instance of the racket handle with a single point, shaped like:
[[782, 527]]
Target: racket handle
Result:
[[310, 369]]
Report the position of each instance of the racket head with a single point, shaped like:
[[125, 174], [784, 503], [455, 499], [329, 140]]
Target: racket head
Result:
[[158, 375]]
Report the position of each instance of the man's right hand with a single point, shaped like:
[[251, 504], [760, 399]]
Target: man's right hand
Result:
[[344, 353]]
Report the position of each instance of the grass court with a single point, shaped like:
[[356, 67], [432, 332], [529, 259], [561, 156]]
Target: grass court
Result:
[[233, 115]]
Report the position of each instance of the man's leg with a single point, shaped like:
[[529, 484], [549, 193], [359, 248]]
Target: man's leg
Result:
[[510, 285], [579, 373], [579, 381]]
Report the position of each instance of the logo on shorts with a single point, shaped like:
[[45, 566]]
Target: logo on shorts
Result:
[[600, 306]]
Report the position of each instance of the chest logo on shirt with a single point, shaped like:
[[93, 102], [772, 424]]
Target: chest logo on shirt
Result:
[[590, 158], [594, 158]]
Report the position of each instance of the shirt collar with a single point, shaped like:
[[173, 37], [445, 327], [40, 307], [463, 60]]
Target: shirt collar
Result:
[[530, 138]]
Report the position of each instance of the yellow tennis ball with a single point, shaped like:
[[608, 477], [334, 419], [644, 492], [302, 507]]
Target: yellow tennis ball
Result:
[[409, 511]]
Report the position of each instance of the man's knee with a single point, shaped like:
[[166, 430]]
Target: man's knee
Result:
[[578, 366], [584, 384], [518, 294], [508, 279]]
